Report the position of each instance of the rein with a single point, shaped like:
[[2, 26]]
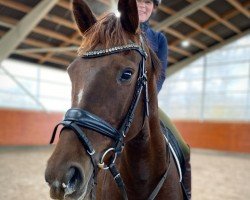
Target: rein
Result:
[[76, 118]]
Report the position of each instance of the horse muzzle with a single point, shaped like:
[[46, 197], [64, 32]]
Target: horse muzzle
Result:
[[72, 185]]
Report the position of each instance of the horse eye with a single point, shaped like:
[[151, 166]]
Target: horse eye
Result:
[[126, 75]]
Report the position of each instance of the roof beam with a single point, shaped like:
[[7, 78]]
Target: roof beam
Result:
[[221, 20], [179, 50], [44, 31], [50, 17], [205, 31], [54, 19], [182, 64], [7, 25], [183, 37], [42, 45], [181, 14], [171, 60], [51, 60], [36, 43], [239, 7], [230, 14], [16, 35], [67, 4], [74, 41], [61, 46], [192, 23], [64, 4], [45, 50], [8, 22], [174, 48], [226, 17], [213, 14]]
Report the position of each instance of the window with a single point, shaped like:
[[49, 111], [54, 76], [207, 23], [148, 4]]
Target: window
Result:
[[50, 87], [215, 87]]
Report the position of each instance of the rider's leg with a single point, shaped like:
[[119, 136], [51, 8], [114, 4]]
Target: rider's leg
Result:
[[185, 149], [183, 145]]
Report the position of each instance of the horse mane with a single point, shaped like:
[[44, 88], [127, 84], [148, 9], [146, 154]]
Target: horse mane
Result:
[[107, 31], [156, 63]]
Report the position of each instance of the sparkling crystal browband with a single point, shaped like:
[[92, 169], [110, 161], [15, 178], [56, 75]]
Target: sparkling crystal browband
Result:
[[113, 50]]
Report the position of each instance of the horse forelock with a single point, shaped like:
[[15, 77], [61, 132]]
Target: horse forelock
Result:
[[107, 32]]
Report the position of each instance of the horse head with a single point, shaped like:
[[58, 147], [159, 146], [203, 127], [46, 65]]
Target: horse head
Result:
[[112, 80]]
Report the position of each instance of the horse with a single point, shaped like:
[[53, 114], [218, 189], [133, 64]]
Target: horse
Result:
[[111, 144]]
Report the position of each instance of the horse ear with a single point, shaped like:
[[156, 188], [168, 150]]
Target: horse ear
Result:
[[83, 15], [129, 15]]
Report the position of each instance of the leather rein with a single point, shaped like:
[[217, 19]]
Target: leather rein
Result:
[[76, 118]]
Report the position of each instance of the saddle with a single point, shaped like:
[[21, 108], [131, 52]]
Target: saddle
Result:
[[179, 158], [175, 147]]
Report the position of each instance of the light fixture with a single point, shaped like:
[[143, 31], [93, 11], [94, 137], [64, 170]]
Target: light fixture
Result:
[[185, 43]]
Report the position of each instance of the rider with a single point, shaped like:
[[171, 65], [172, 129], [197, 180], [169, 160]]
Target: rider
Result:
[[158, 43], [156, 40]]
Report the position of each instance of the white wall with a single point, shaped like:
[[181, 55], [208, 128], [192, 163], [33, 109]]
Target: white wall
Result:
[[215, 87], [51, 87]]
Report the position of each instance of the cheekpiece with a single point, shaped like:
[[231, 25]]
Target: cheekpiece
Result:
[[113, 50]]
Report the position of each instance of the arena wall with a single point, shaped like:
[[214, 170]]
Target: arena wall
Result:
[[19, 127], [226, 136]]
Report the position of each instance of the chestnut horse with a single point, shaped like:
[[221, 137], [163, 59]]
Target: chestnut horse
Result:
[[111, 145]]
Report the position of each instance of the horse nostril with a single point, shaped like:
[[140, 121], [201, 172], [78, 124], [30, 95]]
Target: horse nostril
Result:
[[56, 191], [73, 180]]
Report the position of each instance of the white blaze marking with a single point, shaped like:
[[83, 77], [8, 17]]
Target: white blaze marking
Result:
[[79, 96]]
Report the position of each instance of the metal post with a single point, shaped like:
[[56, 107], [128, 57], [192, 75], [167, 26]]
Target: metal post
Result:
[[203, 92], [248, 94]]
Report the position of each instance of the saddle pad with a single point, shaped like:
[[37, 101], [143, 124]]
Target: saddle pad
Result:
[[175, 149]]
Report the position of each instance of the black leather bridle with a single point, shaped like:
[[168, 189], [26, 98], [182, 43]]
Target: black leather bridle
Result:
[[76, 118]]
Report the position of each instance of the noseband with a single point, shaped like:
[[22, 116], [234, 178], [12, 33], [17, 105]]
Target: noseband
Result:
[[76, 118]]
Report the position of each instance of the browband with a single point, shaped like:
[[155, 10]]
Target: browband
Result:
[[114, 50]]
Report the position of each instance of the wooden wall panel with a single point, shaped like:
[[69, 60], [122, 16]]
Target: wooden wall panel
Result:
[[225, 136], [18, 127]]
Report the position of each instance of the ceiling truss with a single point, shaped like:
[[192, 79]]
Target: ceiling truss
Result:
[[44, 52]]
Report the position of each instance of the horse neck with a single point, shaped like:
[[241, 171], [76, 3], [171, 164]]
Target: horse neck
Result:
[[144, 160]]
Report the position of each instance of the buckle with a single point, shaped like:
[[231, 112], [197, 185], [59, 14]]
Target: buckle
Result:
[[104, 166]]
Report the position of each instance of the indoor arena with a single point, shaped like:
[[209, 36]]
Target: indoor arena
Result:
[[53, 71]]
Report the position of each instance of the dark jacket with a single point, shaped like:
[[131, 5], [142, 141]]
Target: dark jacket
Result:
[[158, 43]]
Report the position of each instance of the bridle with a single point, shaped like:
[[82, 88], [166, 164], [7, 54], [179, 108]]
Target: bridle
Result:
[[76, 118]]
